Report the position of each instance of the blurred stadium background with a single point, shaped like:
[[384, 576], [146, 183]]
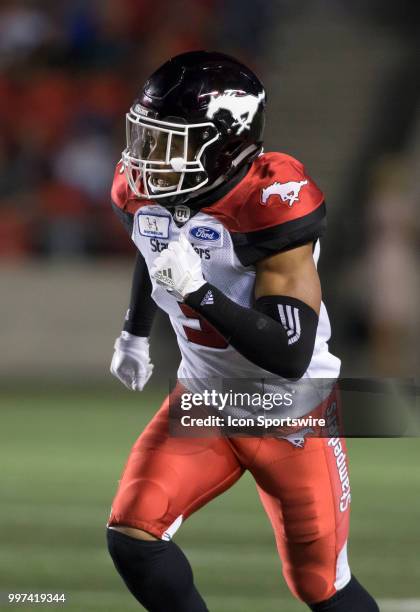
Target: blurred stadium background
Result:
[[343, 83]]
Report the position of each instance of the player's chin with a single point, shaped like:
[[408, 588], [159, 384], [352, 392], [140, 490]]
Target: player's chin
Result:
[[164, 182]]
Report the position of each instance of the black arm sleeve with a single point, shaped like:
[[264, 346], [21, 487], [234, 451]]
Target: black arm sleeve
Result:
[[277, 335], [142, 310]]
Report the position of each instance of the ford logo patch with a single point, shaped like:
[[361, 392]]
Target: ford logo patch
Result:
[[206, 234]]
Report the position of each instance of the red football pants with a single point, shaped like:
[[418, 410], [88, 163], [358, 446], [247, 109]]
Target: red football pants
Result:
[[304, 490]]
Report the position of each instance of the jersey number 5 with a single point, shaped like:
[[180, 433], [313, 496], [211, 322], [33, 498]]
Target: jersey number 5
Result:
[[206, 334]]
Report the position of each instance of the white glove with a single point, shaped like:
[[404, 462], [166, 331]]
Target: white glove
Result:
[[178, 269], [131, 362]]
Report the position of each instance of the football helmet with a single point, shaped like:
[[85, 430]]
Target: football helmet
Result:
[[198, 119]]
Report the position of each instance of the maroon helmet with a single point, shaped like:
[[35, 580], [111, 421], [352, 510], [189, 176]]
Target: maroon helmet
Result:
[[198, 119]]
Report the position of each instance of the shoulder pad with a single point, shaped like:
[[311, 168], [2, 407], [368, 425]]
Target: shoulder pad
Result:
[[276, 190], [277, 206]]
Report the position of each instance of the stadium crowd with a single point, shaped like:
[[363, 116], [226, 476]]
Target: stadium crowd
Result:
[[68, 73]]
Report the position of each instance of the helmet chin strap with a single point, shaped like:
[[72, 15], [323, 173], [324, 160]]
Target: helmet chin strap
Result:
[[194, 198], [226, 178], [245, 153], [207, 188]]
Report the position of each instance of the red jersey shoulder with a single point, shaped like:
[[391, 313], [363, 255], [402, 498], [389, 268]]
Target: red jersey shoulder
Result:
[[121, 194], [276, 190]]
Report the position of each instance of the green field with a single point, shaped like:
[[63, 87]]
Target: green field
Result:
[[62, 452]]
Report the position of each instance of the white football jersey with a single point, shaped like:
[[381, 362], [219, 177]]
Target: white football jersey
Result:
[[230, 239]]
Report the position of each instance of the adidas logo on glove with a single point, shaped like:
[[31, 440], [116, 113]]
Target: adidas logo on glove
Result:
[[164, 277]]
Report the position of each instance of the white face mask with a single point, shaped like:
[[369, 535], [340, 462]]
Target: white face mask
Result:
[[164, 158]]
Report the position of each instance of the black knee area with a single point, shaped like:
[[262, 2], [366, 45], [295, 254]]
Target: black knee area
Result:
[[353, 598], [157, 573]]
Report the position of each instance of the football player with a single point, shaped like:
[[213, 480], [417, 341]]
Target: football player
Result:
[[228, 242]]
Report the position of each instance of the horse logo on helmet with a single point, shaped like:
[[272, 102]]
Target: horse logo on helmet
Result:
[[241, 107]]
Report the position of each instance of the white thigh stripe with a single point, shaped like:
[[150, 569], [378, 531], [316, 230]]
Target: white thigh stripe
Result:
[[292, 324]]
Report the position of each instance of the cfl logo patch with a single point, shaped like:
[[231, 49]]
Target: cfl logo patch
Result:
[[290, 320]]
